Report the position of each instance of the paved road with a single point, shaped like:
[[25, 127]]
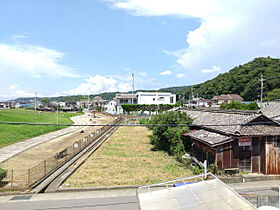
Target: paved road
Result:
[[106, 200], [11, 150], [267, 192]]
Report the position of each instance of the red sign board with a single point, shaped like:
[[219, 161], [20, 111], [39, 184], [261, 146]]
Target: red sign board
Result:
[[244, 141]]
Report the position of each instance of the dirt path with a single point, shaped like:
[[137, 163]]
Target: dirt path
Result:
[[36, 154]]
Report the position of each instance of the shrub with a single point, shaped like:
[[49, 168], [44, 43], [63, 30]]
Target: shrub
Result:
[[168, 137], [3, 173], [239, 106]]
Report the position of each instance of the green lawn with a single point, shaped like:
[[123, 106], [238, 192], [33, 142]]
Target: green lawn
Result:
[[10, 134]]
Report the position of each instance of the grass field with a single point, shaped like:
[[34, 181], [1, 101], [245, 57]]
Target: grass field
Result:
[[126, 158], [10, 134]]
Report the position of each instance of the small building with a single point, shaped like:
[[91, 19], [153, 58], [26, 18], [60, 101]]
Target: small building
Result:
[[271, 109], [97, 101], [111, 107], [124, 98], [225, 98], [6, 105], [155, 98], [248, 141]]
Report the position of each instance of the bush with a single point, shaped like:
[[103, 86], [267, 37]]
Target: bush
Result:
[[167, 137], [239, 106], [214, 169], [146, 107], [3, 173], [144, 121]]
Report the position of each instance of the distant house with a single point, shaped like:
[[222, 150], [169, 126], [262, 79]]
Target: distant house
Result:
[[111, 107], [98, 101], [236, 140], [6, 104], [217, 100], [124, 99]]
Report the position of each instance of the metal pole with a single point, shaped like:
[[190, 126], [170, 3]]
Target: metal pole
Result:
[[45, 167], [57, 114], [12, 179], [36, 101], [262, 80], [28, 181], [132, 101]]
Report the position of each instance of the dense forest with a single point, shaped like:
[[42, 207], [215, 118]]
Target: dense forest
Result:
[[243, 80]]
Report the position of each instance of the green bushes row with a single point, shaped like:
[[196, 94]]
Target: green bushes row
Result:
[[147, 107], [239, 106]]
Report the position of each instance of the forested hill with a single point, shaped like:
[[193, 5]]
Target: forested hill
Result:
[[106, 96], [243, 80]]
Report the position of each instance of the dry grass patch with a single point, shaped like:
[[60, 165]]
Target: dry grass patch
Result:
[[126, 159]]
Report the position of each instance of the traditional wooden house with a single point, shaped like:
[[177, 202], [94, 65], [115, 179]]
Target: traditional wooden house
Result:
[[236, 140], [225, 98]]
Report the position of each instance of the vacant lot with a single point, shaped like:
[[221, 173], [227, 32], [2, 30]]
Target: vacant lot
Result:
[[126, 159], [10, 134]]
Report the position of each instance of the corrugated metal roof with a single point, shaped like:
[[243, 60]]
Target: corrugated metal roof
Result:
[[191, 193]]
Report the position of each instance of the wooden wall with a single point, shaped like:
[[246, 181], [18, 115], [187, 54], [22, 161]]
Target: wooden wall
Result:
[[272, 154]]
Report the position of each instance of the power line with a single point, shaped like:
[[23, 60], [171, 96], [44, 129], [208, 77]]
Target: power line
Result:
[[144, 125]]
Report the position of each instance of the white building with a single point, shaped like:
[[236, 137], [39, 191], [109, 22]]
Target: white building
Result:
[[144, 98], [111, 107], [155, 98], [124, 99]]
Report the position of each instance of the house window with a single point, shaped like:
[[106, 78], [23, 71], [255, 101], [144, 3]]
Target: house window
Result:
[[171, 100], [161, 99], [154, 99]]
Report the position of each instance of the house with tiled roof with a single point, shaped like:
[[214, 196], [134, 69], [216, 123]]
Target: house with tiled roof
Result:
[[248, 141], [225, 98]]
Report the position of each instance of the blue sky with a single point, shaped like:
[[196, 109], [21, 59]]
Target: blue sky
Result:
[[71, 47]]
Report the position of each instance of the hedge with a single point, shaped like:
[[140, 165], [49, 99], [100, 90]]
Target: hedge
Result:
[[147, 107]]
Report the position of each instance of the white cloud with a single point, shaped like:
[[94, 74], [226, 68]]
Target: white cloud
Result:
[[14, 91], [176, 53], [124, 87], [143, 74], [180, 75], [126, 68], [213, 69], [231, 32], [32, 60], [164, 73], [93, 85]]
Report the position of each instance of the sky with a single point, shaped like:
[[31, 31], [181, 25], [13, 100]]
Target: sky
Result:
[[69, 47]]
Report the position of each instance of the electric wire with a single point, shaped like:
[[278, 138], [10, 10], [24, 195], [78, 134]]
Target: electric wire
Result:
[[144, 125]]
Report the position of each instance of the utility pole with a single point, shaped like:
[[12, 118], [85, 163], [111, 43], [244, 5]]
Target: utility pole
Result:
[[262, 80], [156, 95], [132, 100], [88, 102], [35, 101], [57, 114]]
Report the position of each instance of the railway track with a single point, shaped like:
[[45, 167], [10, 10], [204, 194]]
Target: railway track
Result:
[[52, 181]]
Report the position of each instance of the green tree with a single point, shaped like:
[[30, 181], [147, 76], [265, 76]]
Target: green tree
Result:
[[239, 106], [272, 95], [167, 137], [45, 101]]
